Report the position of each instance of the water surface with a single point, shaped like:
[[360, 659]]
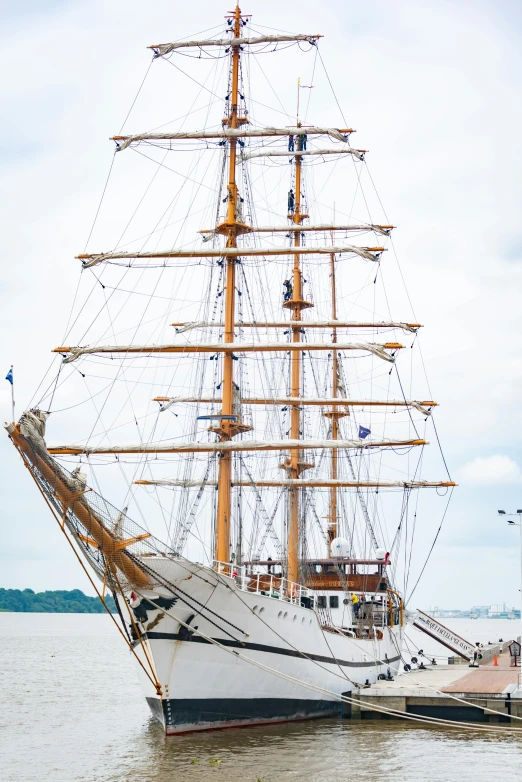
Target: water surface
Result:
[[71, 709]]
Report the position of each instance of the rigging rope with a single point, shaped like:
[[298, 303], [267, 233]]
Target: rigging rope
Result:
[[185, 526], [406, 600], [268, 520]]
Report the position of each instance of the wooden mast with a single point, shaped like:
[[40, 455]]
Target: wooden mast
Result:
[[228, 428], [295, 390], [335, 413], [332, 529], [73, 500], [294, 466]]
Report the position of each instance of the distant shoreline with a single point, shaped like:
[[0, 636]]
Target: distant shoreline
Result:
[[60, 601]]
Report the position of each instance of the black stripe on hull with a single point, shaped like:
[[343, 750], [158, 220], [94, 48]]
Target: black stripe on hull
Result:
[[192, 714], [264, 648]]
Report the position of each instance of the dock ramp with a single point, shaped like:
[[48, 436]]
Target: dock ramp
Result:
[[444, 635]]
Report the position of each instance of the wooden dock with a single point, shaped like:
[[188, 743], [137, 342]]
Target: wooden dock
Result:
[[432, 692]]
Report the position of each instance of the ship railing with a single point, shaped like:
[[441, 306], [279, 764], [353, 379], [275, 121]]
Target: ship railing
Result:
[[266, 583]]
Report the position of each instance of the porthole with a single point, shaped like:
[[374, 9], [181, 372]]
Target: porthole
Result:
[[303, 620], [255, 608], [280, 614], [310, 622], [285, 614], [261, 610], [294, 618]]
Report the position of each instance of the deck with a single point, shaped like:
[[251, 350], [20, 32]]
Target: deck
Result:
[[488, 678]]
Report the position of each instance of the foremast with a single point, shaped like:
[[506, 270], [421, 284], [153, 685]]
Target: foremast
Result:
[[230, 424]]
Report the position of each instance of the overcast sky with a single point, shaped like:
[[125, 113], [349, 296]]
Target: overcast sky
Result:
[[433, 89]]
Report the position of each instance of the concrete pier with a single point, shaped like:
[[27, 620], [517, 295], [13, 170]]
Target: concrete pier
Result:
[[431, 692]]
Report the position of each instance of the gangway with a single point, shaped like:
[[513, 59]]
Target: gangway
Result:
[[443, 635]]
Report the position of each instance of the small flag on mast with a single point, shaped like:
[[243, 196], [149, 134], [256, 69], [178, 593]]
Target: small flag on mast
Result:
[[10, 377], [364, 432]]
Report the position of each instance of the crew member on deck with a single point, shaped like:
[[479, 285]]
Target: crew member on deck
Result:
[[355, 603], [291, 201], [289, 289]]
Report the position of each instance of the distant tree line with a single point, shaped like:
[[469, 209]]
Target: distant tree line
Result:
[[60, 601]]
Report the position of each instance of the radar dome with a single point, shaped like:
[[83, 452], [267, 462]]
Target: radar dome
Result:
[[380, 553], [340, 547]]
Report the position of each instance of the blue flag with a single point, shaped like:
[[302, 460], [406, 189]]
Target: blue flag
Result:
[[9, 376], [364, 432]]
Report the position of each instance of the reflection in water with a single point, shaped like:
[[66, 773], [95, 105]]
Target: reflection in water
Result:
[[71, 709], [328, 751]]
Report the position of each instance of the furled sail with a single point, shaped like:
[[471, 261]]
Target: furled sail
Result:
[[308, 324], [357, 153], [235, 445], [368, 253], [125, 141], [166, 48], [231, 347], [305, 483]]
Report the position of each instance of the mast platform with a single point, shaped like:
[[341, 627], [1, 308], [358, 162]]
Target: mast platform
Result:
[[298, 304]]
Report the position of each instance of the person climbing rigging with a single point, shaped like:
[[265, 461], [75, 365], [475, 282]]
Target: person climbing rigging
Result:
[[291, 201], [290, 143], [289, 289]]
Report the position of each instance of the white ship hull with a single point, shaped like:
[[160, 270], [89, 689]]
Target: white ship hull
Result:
[[206, 687]]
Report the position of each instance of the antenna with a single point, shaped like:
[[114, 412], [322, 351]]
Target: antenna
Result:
[[301, 87]]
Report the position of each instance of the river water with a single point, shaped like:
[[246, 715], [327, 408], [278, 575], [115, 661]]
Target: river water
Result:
[[71, 709]]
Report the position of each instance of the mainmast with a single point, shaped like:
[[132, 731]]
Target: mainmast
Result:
[[229, 428], [296, 303]]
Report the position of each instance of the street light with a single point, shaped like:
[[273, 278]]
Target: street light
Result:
[[519, 525]]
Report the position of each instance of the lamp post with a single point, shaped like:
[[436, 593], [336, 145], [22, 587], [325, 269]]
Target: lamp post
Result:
[[519, 525]]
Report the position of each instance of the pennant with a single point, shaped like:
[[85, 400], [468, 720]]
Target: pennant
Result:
[[9, 376], [364, 432]]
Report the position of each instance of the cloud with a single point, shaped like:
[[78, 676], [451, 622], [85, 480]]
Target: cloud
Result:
[[491, 470]]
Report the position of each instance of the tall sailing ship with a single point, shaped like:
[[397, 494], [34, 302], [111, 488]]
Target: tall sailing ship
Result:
[[264, 433]]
